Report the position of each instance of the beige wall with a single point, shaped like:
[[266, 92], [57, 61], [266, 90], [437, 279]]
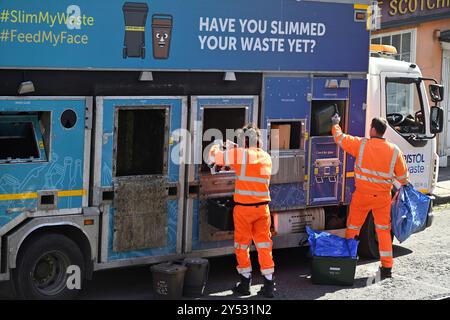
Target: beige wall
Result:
[[428, 47]]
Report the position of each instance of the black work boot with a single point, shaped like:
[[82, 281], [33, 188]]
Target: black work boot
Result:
[[243, 286], [268, 289], [385, 273]]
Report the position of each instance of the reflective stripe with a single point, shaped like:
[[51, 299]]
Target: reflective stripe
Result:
[[243, 177], [361, 152], [263, 245], [267, 271], [341, 139], [225, 158], [385, 253], [402, 177], [358, 176], [373, 172], [389, 175], [352, 227], [241, 246], [244, 270], [380, 227], [252, 193], [337, 134], [393, 161], [252, 179]]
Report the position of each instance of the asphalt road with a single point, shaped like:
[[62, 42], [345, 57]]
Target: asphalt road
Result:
[[421, 271]]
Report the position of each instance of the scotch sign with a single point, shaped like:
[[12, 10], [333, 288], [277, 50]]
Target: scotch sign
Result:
[[403, 12]]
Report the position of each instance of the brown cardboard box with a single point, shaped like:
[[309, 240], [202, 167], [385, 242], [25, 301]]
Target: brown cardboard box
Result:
[[282, 138]]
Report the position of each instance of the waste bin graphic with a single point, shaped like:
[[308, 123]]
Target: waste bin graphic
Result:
[[135, 14], [161, 34]]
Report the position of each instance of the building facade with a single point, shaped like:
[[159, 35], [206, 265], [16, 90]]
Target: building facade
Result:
[[420, 30]]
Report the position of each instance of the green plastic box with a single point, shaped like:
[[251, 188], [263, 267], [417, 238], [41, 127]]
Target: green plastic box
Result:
[[333, 271]]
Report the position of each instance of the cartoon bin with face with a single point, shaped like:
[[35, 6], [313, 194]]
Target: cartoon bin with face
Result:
[[162, 34]]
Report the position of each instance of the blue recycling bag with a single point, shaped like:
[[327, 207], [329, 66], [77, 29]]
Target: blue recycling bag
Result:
[[325, 244], [409, 211]]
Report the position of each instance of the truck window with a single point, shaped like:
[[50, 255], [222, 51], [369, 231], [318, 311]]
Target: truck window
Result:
[[24, 138], [404, 106], [141, 142], [221, 119]]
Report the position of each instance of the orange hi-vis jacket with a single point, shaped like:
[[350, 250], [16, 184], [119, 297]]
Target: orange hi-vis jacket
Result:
[[253, 168], [378, 162]]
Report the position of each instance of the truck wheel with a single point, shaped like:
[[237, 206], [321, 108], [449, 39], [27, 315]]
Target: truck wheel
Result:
[[368, 245], [41, 271]]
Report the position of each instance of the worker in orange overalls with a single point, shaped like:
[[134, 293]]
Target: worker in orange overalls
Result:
[[251, 213], [378, 164]]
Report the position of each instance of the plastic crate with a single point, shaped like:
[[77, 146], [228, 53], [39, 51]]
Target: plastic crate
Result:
[[333, 271]]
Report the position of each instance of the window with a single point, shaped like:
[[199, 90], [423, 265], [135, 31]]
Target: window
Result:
[[404, 106], [222, 119], [17, 141], [24, 137], [286, 135], [402, 41], [141, 142]]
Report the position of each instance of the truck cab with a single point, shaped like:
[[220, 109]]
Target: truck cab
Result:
[[397, 91]]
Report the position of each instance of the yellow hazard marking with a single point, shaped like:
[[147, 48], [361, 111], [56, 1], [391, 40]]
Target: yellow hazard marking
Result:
[[171, 140], [41, 145], [306, 177], [350, 174], [34, 195], [316, 171], [72, 193], [337, 170], [18, 196], [424, 191], [360, 6], [134, 28]]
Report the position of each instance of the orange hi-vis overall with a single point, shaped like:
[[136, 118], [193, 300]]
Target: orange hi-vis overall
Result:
[[251, 213], [378, 164]]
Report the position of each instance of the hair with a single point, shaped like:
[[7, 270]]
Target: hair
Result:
[[380, 125], [250, 136]]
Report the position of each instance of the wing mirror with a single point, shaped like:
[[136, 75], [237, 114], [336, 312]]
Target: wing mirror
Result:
[[436, 120], [436, 92]]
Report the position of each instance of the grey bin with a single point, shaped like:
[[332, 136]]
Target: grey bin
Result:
[[196, 276], [135, 15], [168, 280]]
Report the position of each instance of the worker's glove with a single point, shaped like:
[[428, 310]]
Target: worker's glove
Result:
[[230, 145], [336, 119]]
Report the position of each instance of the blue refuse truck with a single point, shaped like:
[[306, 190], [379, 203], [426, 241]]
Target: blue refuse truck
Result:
[[101, 144]]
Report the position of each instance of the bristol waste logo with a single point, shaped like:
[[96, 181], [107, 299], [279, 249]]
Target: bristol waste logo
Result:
[[135, 16]]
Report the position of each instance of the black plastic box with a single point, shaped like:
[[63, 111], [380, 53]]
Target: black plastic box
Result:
[[333, 271], [220, 213]]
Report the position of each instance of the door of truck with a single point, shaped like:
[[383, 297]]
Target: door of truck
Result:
[[401, 96], [44, 156], [138, 179], [212, 112]]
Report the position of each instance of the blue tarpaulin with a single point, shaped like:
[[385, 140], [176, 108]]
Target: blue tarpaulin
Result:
[[409, 212], [325, 244]]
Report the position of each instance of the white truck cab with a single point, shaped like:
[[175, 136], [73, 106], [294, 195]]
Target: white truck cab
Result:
[[398, 92]]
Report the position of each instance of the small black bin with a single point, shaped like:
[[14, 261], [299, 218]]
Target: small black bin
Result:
[[333, 270], [135, 14], [168, 280], [196, 276], [220, 213]]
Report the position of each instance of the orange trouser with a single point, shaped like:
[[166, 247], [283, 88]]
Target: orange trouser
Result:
[[380, 205], [253, 223]]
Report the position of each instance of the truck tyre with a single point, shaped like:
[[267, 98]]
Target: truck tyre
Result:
[[41, 270], [368, 245]]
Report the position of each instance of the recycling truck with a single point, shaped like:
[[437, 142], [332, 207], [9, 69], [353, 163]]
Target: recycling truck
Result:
[[107, 107]]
